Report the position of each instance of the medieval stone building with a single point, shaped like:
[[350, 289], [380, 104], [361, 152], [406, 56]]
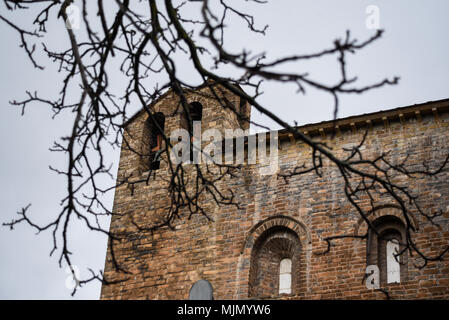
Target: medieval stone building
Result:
[[272, 244]]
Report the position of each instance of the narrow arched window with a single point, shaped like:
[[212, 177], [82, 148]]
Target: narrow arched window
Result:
[[194, 113], [385, 249], [189, 119], [285, 276], [155, 124], [393, 265]]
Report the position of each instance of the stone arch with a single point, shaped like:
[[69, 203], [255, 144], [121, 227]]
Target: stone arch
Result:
[[267, 244], [279, 220], [361, 227]]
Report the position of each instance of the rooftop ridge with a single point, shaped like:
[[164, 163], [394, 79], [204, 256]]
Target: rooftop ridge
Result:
[[398, 114]]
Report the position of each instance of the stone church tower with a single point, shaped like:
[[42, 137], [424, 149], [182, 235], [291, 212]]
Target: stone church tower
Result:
[[271, 245]]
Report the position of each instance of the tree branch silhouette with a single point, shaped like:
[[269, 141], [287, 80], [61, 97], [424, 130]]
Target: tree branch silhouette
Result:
[[141, 40]]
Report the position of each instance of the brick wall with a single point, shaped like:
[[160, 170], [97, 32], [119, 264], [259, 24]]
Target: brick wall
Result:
[[166, 263]]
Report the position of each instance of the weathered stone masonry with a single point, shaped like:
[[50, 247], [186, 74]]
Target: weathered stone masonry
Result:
[[239, 251]]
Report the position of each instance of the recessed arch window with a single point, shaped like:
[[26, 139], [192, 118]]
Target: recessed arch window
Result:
[[385, 249], [275, 263]]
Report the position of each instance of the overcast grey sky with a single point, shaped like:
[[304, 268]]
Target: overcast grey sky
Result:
[[414, 47]]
